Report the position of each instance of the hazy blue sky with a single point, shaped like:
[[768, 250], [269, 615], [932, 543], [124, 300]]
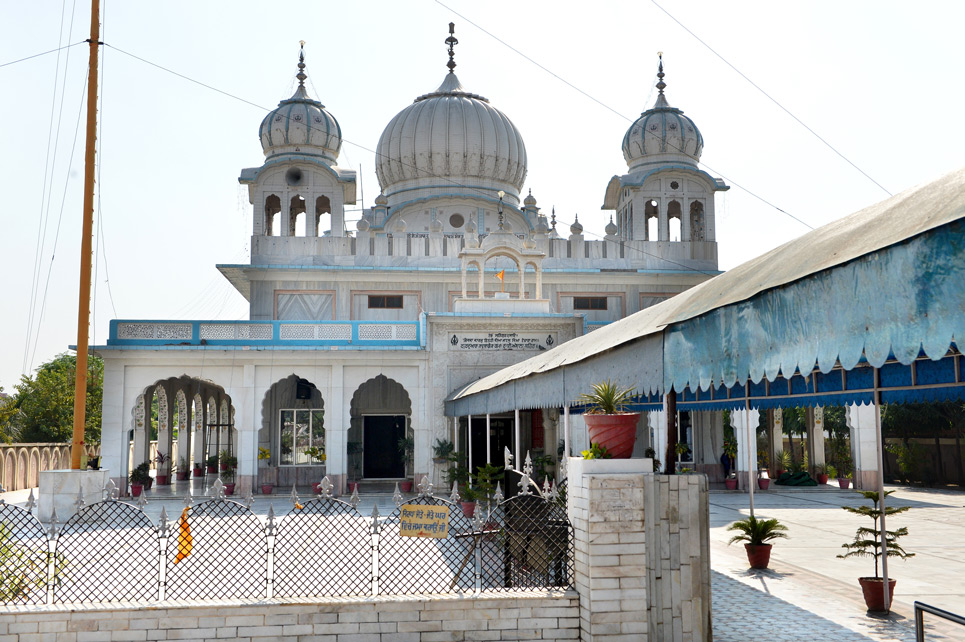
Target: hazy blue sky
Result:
[[881, 81]]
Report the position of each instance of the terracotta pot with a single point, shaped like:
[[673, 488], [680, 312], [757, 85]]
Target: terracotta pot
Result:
[[730, 483], [136, 490], [223, 467], [874, 592], [758, 555], [199, 471], [182, 475], [405, 487], [229, 488], [266, 489], [163, 480], [763, 483], [315, 488], [616, 432], [844, 482], [213, 469], [822, 478], [352, 487], [468, 508]]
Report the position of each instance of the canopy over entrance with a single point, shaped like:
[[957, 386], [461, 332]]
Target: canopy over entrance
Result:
[[882, 284]]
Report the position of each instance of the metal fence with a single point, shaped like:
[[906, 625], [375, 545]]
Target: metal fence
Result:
[[111, 551]]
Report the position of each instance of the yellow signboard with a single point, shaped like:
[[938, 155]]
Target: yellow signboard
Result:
[[419, 520]]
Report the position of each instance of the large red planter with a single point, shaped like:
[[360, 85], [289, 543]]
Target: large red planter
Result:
[[616, 432], [874, 592], [758, 555]]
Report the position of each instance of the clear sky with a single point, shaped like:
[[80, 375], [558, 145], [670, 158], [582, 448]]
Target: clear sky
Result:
[[880, 81]]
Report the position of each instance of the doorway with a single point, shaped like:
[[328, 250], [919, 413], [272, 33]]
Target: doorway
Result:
[[381, 458], [501, 432]]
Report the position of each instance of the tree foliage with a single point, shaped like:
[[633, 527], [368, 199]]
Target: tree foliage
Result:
[[42, 408]]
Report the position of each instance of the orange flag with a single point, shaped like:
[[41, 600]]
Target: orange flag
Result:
[[185, 541], [501, 274]]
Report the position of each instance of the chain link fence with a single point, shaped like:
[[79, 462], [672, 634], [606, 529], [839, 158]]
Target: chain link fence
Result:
[[111, 551]]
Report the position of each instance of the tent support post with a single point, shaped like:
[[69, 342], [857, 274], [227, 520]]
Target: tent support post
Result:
[[881, 491], [519, 462], [670, 400], [489, 445], [751, 452], [566, 431]]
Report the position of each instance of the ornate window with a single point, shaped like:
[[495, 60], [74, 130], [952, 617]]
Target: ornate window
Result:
[[302, 430], [589, 303]]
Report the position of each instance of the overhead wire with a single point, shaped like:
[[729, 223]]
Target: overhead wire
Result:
[[42, 53]]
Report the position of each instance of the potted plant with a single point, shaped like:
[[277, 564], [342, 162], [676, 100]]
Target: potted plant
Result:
[[212, 463], [198, 469], [607, 423], [265, 455], [782, 461], [731, 482], [596, 451], [844, 473], [442, 450], [821, 472], [182, 470], [756, 533], [228, 478], [542, 468], [163, 474], [763, 481], [468, 498], [867, 543], [730, 453], [407, 450], [652, 454], [140, 477], [228, 460], [354, 450]]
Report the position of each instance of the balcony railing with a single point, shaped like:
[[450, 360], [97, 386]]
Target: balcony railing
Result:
[[386, 334]]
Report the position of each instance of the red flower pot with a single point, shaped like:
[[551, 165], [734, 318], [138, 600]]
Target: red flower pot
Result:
[[182, 475], [213, 469], [616, 432], [405, 487], [224, 467], [352, 487], [763, 483], [758, 555], [874, 592], [266, 489], [315, 488], [198, 471], [163, 480], [844, 482], [229, 488], [730, 483], [136, 490], [468, 508], [149, 483]]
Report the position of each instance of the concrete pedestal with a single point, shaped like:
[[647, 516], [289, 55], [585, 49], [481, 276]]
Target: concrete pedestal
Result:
[[58, 489]]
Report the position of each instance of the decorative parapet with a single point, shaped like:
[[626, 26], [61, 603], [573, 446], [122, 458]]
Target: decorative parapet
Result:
[[394, 334]]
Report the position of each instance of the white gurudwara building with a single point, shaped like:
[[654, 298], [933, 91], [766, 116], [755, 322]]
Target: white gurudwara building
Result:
[[356, 337]]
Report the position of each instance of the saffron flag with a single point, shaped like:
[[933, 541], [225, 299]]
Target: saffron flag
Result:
[[185, 541], [500, 276]]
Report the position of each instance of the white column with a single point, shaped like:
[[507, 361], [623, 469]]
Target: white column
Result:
[[246, 411], [663, 224], [489, 439], [745, 429], [522, 280], [519, 461], [469, 445], [658, 422], [115, 422], [566, 431], [816, 436], [311, 217], [337, 421], [286, 215], [685, 220], [864, 448]]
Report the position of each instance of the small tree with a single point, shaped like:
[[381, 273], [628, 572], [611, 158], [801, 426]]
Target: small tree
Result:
[[867, 542]]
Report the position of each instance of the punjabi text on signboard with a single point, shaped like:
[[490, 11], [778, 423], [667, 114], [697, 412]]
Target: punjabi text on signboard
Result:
[[418, 520], [501, 341]]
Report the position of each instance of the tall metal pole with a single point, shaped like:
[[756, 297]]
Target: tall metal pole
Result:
[[86, 255], [881, 491]]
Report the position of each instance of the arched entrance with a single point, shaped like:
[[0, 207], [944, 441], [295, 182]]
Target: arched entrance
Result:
[[380, 418], [293, 432]]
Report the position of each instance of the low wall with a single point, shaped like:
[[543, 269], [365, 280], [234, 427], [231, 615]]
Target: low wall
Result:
[[536, 616], [21, 464]]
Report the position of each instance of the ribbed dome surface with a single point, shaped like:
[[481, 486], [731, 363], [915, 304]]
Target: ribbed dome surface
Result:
[[303, 125], [663, 134], [454, 140]]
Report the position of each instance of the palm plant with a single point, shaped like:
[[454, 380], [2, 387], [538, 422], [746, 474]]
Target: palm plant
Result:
[[867, 541], [606, 398], [755, 531]]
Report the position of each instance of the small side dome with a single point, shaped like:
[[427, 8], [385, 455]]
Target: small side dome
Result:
[[542, 227], [435, 225], [577, 228], [611, 228], [301, 125], [471, 227], [381, 200], [662, 133], [528, 242], [530, 200], [363, 225]]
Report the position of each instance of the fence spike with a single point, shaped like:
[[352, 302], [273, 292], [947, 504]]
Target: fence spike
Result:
[[294, 496], [477, 518], [110, 490], [31, 501], [2, 489], [524, 483], [528, 465], [79, 502], [498, 495], [217, 489], [271, 518], [354, 499], [142, 500], [249, 499], [454, 496], [554, 493], [163, 523], [54, 521], [188, 500], [397, 495], [326, 485], [375, 518], [507, 458], [425, 486], [546, 487]]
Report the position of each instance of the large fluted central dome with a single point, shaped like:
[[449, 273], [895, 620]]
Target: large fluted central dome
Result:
[[450, 142]]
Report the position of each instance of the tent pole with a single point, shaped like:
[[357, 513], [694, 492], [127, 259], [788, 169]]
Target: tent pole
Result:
[[566, 431], [489, 439], [519, 444], [881, 492], [469, 448], [751, 452]]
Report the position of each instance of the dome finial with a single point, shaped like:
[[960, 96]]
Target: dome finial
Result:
[[661, 85], [451, 41], [301, 65]]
